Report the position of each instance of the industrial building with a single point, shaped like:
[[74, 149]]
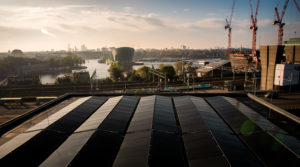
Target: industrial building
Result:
[[124, 56], [147, 131], [279, 66], [81, 77]]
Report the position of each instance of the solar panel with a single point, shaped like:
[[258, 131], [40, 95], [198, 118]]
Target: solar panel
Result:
[[200, 146], [76, 141], [103, 146], [67, 151], [70, 122], [166, 150], [291, 141], [236, 152], [263, 144], [202, 150], [38, 148], [34, 151], [135, 147], [117, 120], [134, 150], [166, 147], [96, 119], [100, 150], [31, 132], [164, 118], [56, 116], [16, 142]]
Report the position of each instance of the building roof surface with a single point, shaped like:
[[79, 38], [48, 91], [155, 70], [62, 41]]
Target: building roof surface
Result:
[[153, 131]]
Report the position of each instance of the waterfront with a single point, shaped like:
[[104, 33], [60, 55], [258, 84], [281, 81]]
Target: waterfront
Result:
[[101, 70]]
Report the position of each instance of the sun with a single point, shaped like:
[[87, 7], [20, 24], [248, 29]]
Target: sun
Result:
[[44, 31]]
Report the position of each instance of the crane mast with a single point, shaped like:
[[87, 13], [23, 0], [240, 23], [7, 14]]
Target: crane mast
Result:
[[253, 26], [297, 6], [278, 21], [228, 26]]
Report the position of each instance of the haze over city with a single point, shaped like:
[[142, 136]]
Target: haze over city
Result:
[[33, 25]]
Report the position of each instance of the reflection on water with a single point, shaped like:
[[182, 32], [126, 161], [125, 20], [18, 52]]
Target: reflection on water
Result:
[[48, 78], [101, 70]]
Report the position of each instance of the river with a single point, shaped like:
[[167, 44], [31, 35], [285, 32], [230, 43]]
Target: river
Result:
[[101, 70]]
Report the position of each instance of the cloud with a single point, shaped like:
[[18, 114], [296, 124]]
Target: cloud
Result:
[[72, 19], [128, 9], [45, 32], [95, 23], [186, 10], [207, 23], [211, 14]]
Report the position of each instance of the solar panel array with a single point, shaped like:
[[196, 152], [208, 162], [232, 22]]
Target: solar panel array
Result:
[[153, 131]]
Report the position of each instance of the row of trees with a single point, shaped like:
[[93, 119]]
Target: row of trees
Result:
[[186, 53], [70, 60], [117, 73], [12, 65]]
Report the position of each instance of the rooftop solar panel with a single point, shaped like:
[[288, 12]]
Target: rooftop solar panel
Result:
[[67, 151], [152, 131], [164, 118], [103, 146], [76, 141], [16, 142], [56, 116], [100, 150], [291, 141], [96, 119], [166, 150], [266, 147], [135, 147], [38, 148], [166, 147], [118, 120], [236, 152], [199, 143], [22, 138]]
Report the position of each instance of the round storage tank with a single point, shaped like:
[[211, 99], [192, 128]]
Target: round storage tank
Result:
[[124, 56]]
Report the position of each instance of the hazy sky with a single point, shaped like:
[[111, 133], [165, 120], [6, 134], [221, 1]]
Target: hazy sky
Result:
[[33, 25]]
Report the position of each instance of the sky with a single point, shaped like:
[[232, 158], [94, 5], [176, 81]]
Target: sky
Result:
[[40, 25]]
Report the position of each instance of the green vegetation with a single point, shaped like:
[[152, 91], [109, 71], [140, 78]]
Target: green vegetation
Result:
[[17, 52], [116, 71], [143, 73], [71, 60], [157, 54], [66, 79], [10, 65], [178, 67], [169, 71], [15, 65]]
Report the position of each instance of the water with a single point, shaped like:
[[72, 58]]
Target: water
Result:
[[101, 70]]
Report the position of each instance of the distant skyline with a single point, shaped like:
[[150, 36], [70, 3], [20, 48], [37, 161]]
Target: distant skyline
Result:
[[37, 25]]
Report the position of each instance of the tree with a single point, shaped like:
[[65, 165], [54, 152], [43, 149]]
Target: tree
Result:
[[169, 71], [143, 72], [17, 52], [133, 76], [178, 67], [115, 71]]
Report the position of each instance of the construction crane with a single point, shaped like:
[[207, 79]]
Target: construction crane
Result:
[[253, 26], [278, 21], [228, 26], [297, 5]]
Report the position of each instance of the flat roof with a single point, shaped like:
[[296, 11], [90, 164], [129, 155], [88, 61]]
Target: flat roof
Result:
[[153, 130]]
